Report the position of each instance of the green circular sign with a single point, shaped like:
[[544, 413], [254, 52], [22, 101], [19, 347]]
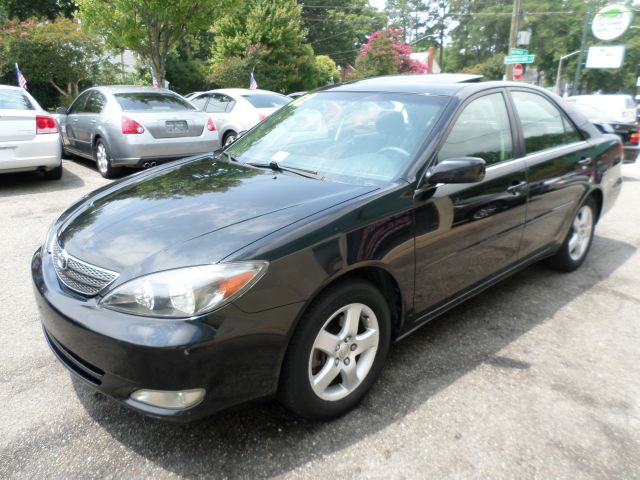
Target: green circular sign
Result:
[[611, 22]]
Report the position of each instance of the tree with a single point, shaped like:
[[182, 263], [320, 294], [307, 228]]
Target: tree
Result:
[[56, 53], [385, 53], [326, 70], [150, 28], [338, 28], [265, 37], [406, 14], [25, 9]]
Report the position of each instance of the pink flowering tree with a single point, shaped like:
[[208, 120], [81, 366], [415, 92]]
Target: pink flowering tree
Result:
[[385, 54]]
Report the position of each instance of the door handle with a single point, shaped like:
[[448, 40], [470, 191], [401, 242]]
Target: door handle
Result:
[[517, 188], [584, 161]]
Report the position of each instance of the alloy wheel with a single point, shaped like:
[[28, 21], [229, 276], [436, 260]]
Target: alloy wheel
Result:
[[581, 233], [343, 352], [102, 157]]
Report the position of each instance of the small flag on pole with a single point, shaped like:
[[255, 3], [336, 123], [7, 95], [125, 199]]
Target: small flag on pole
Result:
[[154, 80], [22, 82], [252, 82]]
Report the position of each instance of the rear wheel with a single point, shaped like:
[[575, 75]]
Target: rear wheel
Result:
[[337, 351], [229, 138], [576, 245], [103, 160], [54, 173]]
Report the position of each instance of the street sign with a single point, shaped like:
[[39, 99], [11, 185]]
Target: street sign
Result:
[[605, 57], [510, 59], [518, 70], [611, 22], [519, 51]]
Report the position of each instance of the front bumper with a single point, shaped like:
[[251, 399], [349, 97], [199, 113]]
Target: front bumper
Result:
[[235, 356]]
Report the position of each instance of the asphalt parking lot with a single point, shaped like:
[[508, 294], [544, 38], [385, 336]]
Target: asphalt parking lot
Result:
[[539, 377]]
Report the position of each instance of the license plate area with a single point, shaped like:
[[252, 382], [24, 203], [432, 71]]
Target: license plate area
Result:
[[176, 126]]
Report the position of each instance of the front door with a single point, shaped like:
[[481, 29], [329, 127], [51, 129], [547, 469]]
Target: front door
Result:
[[71, 126], [468, 232]]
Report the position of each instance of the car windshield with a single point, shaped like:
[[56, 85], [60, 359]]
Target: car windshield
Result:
[[266, 100], [152, 101], [14, 100], [352, 137]]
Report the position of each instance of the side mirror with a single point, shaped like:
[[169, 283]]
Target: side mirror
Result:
[[61, 111], [457, 170]]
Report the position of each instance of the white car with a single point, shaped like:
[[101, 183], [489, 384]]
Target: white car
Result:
[[235, 110], [29, 136], [621, 108]]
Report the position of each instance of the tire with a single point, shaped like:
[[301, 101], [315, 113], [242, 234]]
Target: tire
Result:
[[102, 158], [54, 173], [345, 372], [576, 245], [229, 138]]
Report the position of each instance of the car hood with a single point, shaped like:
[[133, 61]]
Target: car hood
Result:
[[199, 211]]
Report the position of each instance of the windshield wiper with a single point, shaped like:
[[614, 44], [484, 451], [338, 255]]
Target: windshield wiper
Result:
[[281, 168]]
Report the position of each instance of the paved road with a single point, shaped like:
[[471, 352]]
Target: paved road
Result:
[[537, 378]]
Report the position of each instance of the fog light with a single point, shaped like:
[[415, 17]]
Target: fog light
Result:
[[177, 400]]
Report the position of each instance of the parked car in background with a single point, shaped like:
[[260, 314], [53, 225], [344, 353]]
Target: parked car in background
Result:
[[135, 127], [29, 137], [288, 263], [295, 95], [627, 131], [621, 108], [235, 110]]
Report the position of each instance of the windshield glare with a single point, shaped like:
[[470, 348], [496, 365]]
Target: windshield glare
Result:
[[353, 137]]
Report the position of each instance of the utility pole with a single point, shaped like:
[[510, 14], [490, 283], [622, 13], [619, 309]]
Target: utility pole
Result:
[[515, 17], [576, 78]]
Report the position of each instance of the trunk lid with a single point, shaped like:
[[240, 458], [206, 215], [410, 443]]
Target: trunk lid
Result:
[[17, 125]]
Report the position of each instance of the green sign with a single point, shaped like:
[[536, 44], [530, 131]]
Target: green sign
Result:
[[510, 59], [519, 51]]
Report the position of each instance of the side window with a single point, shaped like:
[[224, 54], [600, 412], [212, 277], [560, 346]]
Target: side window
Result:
[[543, 125], [217, 104], [78, 105], [95, 103], [482, 130], [199, 102]]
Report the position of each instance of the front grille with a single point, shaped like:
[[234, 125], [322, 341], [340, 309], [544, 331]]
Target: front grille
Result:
[[80, 276], [73, 362]]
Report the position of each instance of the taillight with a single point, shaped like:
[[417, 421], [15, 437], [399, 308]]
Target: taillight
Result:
[[45, 124], [131, 127], [635, 137], [262, 116], [210, 125]]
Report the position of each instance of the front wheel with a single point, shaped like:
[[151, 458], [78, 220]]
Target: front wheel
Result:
[[576, 245], [103, 160], [337, 351]]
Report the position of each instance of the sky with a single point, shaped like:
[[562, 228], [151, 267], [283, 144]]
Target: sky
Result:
[[379, 4]]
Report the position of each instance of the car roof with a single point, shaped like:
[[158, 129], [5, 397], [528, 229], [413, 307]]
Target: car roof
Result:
[[10, 87], [242, 91], [130, 89]]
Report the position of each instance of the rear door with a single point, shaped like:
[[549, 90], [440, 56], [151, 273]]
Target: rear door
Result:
[[466, 233], [86, 121], [17, 117], [559, 166]]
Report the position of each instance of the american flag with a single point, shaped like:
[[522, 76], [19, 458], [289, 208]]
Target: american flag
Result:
[[21, 80], [252, 82], [154, 80]]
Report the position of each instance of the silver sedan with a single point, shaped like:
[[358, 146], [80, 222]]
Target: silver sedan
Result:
[[135, 127]]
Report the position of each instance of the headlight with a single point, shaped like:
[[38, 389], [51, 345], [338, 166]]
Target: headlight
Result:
[[184, 292]]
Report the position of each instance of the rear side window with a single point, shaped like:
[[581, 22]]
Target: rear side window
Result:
[[482, 130], [95, 103], [543, 125], [152, 101], [14, 100], [267, 100], [219, 103], [199, 102]]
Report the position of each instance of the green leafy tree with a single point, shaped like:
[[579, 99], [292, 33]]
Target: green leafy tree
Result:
[[266, 37], [58, 54], [338, 28], [326, 70], [150, 28], [25, 9]]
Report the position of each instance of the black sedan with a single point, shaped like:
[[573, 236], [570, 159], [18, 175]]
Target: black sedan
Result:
[[288, 263]]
